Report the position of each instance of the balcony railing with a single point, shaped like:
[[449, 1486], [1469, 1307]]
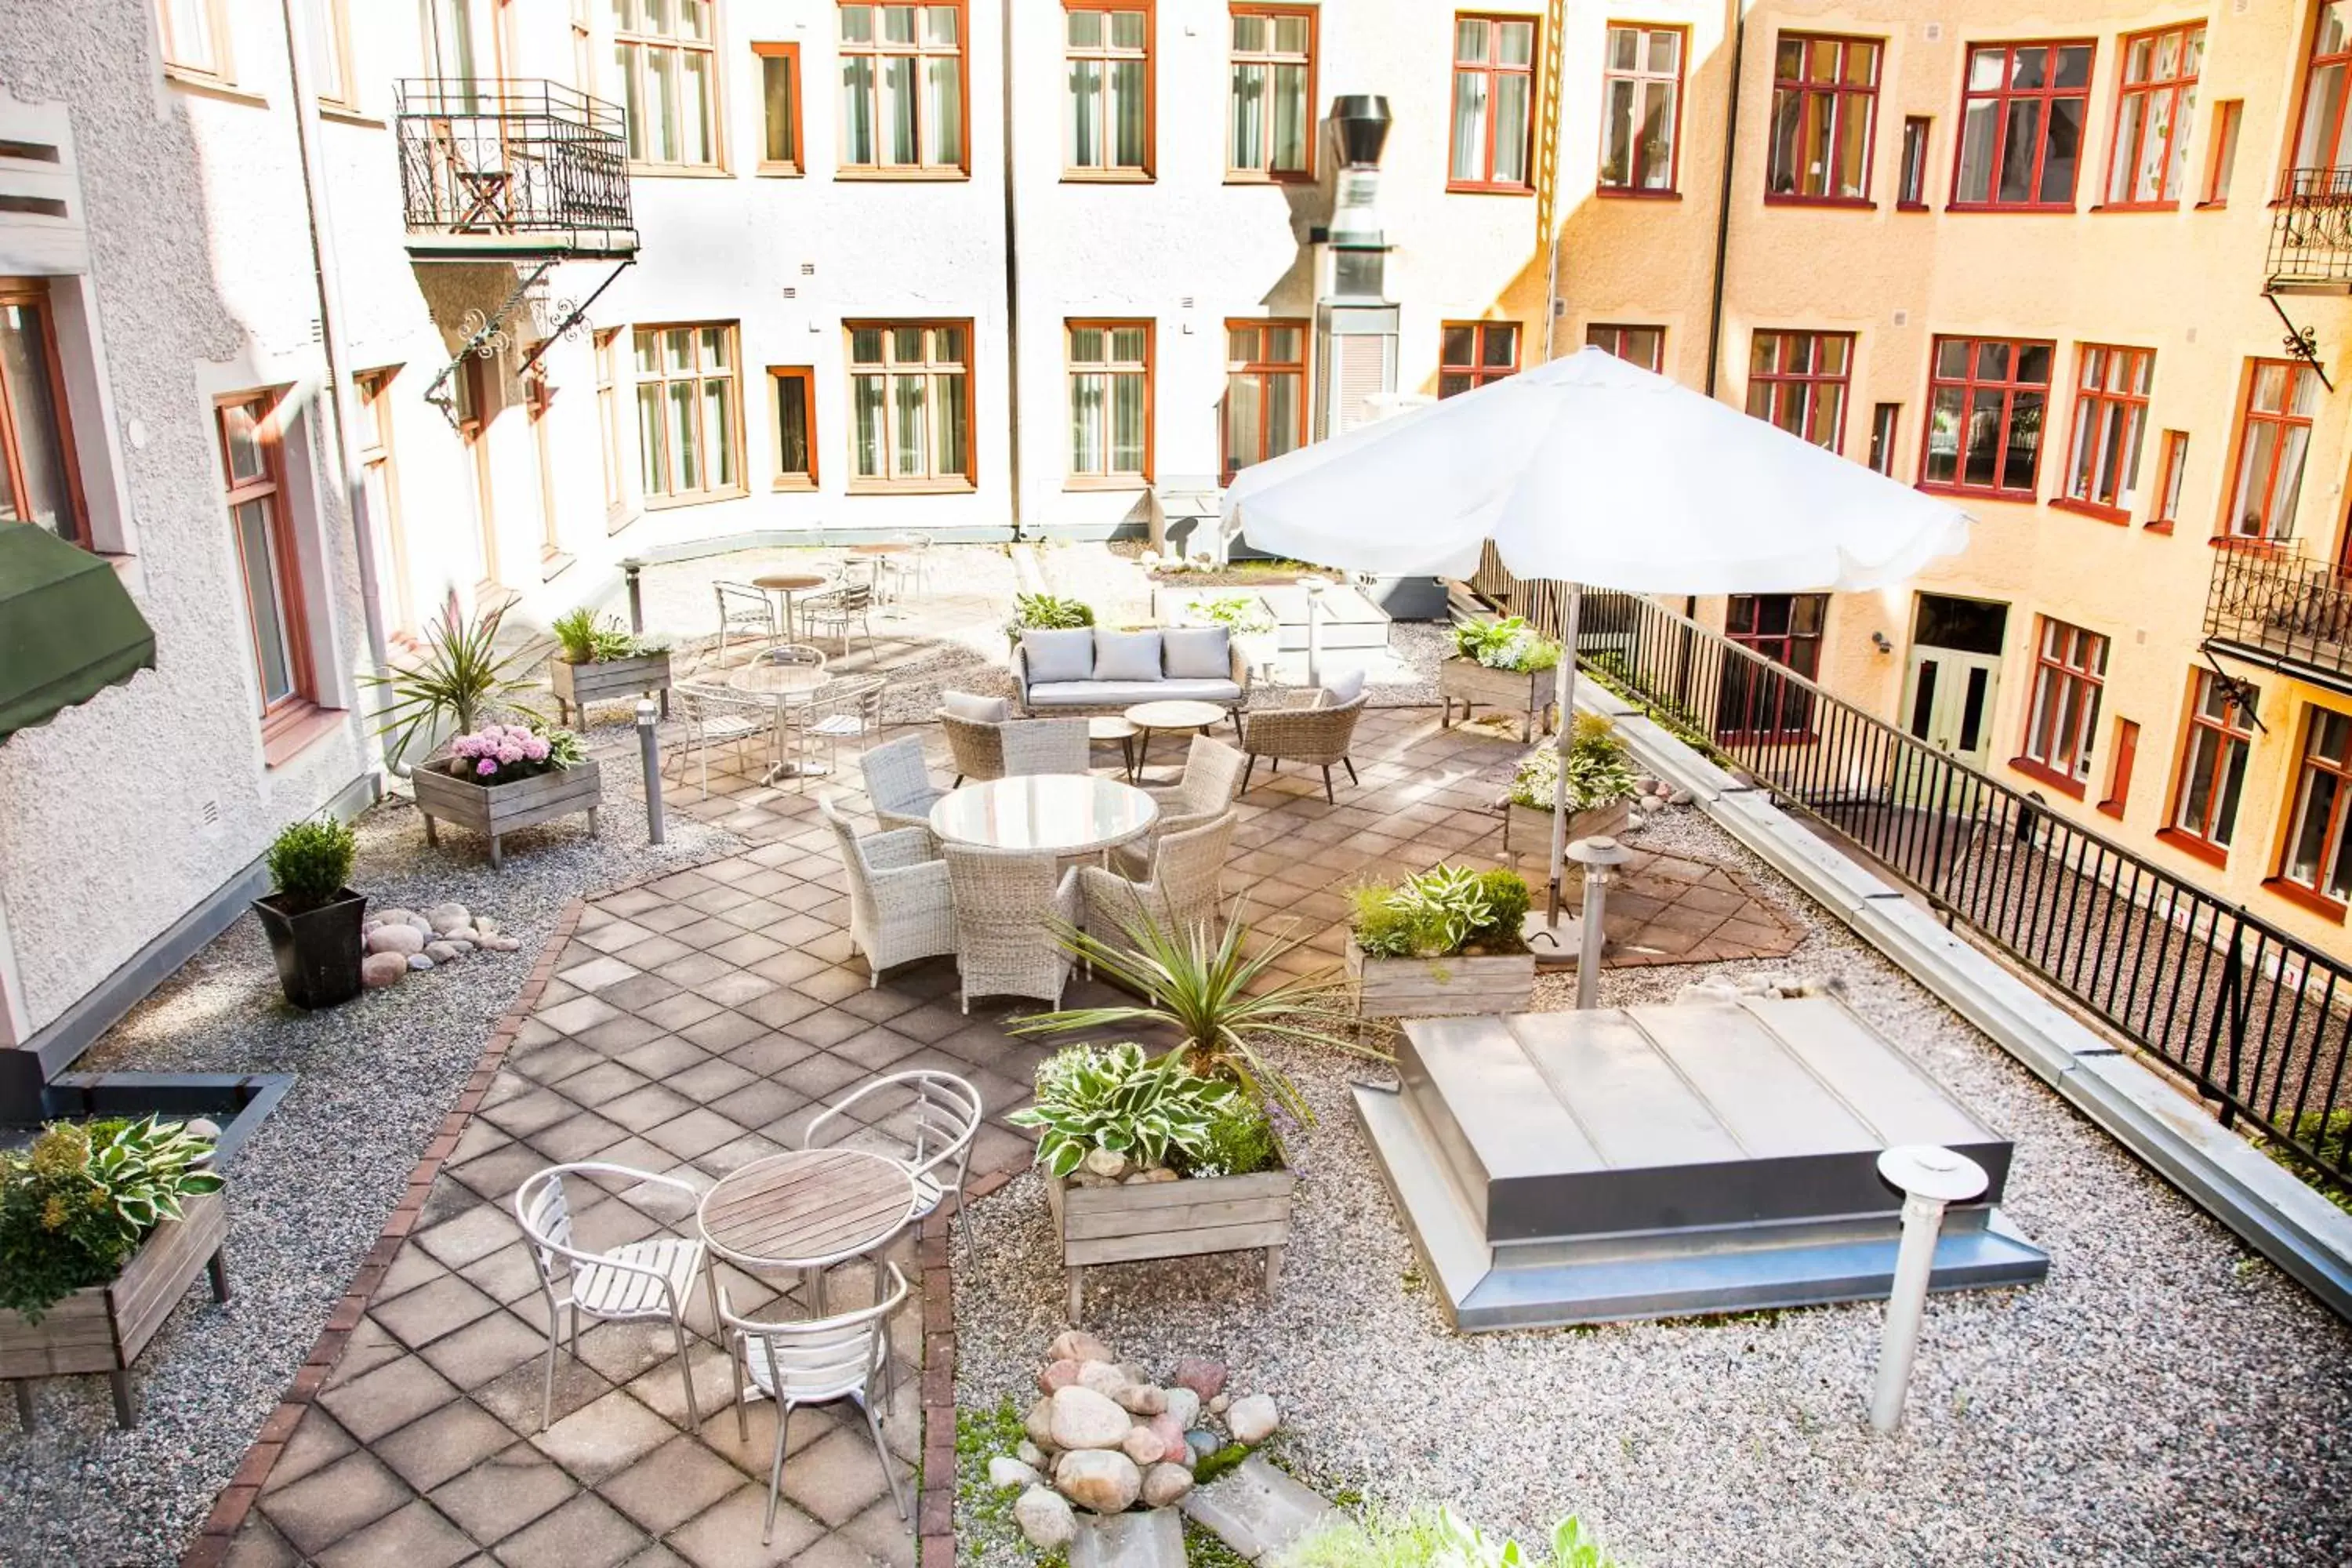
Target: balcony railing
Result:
[[513, 169], [2291, 609], [2311, 231]]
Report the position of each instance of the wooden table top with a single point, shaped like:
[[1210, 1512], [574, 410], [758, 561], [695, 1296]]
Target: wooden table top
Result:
[[1176, 713], [806, 1205], [883, 548], [790, 582]]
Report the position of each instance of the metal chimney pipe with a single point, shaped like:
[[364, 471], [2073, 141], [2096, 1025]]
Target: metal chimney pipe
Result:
[[1928, 1178]]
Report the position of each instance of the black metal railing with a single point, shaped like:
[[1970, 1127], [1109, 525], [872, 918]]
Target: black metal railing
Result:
[[2261, 1023], [513, 159], [2267, 599], [2311, 229]]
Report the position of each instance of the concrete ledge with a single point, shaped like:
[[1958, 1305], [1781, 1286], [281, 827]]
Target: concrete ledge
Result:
[[1669, 758]]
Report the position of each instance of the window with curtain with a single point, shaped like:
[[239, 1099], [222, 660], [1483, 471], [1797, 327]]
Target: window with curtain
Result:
[[1110, 400], [1265, 392], [1797, 381], [793, 388], [663, 56], [910, 404], [2319, 849], [779, 108], [1107, 126], [2146, 166], [1472, 354], [1641, 107], [1494, 102], [2110, 418], [902, 88], [1987, 398], [2273, 436], [2323, 140], [689, 433], [2070, 673], [1824, 108], [1644, 346], [38, 483], [195, 36], [2213, 759], [1270, 133], [2022, 111], [253, 463]]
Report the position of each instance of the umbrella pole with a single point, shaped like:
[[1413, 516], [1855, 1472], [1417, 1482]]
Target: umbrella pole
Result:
[[1566, 699]]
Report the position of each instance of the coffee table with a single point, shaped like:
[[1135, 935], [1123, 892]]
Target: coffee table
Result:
[[806, 1209], [1178, 714], [1111, 727], [788, 584], [1049, 814]]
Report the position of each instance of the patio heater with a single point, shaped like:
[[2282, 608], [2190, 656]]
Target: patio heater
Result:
[[1355, 322]]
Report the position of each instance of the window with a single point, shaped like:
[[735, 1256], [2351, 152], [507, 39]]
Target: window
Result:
[[2119, 769], [2160, 99], [2069, 669], [1108, 126], [2223, 160], [1272, 132], [610, 428], [1110, 401], [670, 81], [583, 48], [2324, 141], [1472, 354], [539, 399], [1824, 102], [688, 439], [2274, 434], [2169, 469], [470, 409], [2022, 119], [1266, 391], [254, 463], [2110, 416], [196, 37], [1884, 419], [381, 479], [794, 390], [1985, 402], [1494, 102], [2213, 760], [902, 88], [779, 108], [2319, 850], [1911, 185], [1797, 381], [1644, 346], [1754, 704], [38, 482], [1640, 106], [910, 398], [330, 55]]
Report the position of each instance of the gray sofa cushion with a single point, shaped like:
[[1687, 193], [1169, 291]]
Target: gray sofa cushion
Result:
[[1196, 653], [1128, 655], [1123, 693], [979, 710], [1059, 655]]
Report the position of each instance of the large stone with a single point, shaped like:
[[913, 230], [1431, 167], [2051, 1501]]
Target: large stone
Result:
[[1169, 1433], [1104, 1378], [1142, 1399], [1076, 1344], [1107, 1163], [485, 925], [501, 943], [1183, 1407], [1252, 1419], [418, 961], [444, 951], [1102, 1479], [1031, 1454], [1164, 1484], [1044, 1519], [1040, 1424], [395, 937], [1203, 1377], [379, 969], [1057, 1375], [446, 918], [1005, 1473], [1202, 1443], [1081, 1419], [1143, 1444], [394, 915]]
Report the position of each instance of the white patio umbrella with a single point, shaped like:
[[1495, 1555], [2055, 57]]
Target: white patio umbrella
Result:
[[1591, 470]]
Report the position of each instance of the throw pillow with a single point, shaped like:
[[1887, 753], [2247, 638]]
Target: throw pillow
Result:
[[1342, 688], [1127, 656], [978, 710], [1059, 655], [1196, 653]]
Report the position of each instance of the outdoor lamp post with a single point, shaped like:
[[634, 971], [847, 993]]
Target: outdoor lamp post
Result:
[[649, 759], [1928, 1178], [1600, 856], [1315, 587]]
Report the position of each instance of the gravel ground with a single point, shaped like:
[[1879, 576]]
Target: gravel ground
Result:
[[2164, 1397], [309, 1194]]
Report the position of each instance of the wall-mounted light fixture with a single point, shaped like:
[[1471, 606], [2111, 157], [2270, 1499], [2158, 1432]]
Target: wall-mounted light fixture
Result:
[[1878, 640]]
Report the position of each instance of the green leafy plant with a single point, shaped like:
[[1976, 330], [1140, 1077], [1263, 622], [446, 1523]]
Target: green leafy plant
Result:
[[311, 862], [1047, 613], [1114, 1097], [585, 639], [1442, 911], [1241, 614], [75, 1206], [1600, 768], [1506, 643], [1241, 1143], [1434, 1538], [459, 673]]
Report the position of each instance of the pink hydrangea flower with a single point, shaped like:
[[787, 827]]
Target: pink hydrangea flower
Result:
[[486, 766]]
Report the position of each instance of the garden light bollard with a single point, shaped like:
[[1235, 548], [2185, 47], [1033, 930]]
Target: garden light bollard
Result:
[[629, 570], [1600, 856], [1314, 586], [1928, 1178], [649, 754]]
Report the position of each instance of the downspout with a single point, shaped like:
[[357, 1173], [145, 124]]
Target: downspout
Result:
[[1723, 200], [1012, 277], [324, 270]]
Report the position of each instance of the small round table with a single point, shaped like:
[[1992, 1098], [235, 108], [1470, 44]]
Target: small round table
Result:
[[879, 553], [1051, 813], [1178, 714], [788, 584], [781, 684], [806, 1208], [1111, 727]]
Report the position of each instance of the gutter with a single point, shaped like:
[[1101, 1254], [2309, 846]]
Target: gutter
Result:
[[1723, 199], [1011, 278]]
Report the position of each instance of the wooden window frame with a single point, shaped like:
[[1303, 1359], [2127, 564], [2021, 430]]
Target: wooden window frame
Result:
[[1884, 443], [797, 165], [219, 71], [1802, 382], [2313, 895], [1672, 189], [2287, 420], [1838, 92], [2172, 464], [1107, 52], [1969, 386], [2095, 402], [616, 415], [539, 394], [1795, 650], [1911, 177], [582, 29], [1264, 370], [2232, 730], [1270, 57], [664, 500], [2005, 95], [1494, 71], [2313, 59], [33, 294], [382, 454], [928, 484], [281, 716], [2075, 668], [782, 479], [646, 42], [1108, 480], [333, 19], [2221, 154], [1478, 371], [2120, 763], [473, 423], [2178, 88], [1618, 330], [878, 50]]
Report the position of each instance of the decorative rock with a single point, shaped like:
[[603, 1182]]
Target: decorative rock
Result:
[[1057, 1375], [1205, 1378], [1636, 819], [1031, 1454], [1183, 1407], [391, 917], [446, 918], [486, 926], [1135, 1373], [1081, 1419], [1217, 1406], [1104, 1378], [1163, 1484], [418, 961], [1703, 991], [501, 943], [1006, 1473], [1106, 1163], [462, 943], [1678, 797], [1044, 1519], [1143, 1445], [443, 951], [379, 969], [1170, 1432], [1159, 1174], [1039, 1424], [1203, 1444], [395, 937], [1252, 1419], [1101, 1478], [1137, 1179], [1142, 1399], [1084, 1178], [1076, 1344]]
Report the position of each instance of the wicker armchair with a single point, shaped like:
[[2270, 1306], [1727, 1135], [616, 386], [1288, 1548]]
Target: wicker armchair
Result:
[[1213, 777], [976, 746], [1044, 746], [1003, 902], [899, 784], [1187, 868], [900, 906], [1316, 736]]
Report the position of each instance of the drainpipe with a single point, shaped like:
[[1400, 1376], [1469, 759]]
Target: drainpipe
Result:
[[1011, 278], [1723, 199], [324, 270]]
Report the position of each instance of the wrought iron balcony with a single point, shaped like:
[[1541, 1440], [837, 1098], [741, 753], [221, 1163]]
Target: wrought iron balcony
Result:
[[515, 169], [2311, 233], [2274, 608]]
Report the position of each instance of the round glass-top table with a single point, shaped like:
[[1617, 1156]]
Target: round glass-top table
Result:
[[1050, 813], [787, 685]]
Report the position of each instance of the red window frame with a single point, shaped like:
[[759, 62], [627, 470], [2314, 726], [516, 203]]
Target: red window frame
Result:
[[1911, 179], [2111, 391], [2062, 715], [1812, 83], [2166, 510], [267, 487], [1804, 367], [2128, 138], [1613, 337], [2119, 768], [1636, 170], [1495, 68], [1104, 54], [2331, 50], [2325, 762], [2003, 97], [1466, 372], [1271, 57], [1977, 378], [31, 295], [1785, 628], [1263, 372], [2217, 739], [2221, 161], [787, 60], [2295, 380]]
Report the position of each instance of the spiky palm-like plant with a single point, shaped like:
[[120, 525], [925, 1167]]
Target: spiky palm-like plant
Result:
[[460, 671]]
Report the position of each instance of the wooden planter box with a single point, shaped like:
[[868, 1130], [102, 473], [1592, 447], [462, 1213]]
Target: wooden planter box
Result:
[[1440, 987], [611, 680], [495, 810], [1473, 685], [1527, 832], [102, 1327], [1170, 1219]]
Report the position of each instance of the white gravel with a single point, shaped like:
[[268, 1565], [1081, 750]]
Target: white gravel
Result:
[[2165, 1397]]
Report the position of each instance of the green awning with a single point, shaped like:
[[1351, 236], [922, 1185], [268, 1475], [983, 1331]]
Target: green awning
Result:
[[68, 627]]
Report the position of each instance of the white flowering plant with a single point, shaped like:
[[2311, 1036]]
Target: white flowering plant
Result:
[[1508, 643], [1600, 771]]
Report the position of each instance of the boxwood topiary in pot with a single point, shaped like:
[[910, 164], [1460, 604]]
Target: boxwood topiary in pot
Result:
[[312, 917]]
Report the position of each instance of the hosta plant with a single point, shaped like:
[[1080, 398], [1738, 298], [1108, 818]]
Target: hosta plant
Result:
[[1434, 1538], [75, 1206], [1114, 1097], [1506, 643], [585, 639], [1240, 613], [1440, 912], [1599, 769], [1047, 613]]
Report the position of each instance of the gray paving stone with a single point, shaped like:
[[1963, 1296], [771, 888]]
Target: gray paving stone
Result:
[[1254, 1507], [1151, 1539]]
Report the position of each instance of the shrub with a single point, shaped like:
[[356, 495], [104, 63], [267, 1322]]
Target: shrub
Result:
[[1241, 1143], [1434, 1538], [75, 1206], [1506, 643], [587, 640], [1599, 769], [1442, 911], [311, 862], [1114, 1098], [1047, 613], [1241, 614]]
